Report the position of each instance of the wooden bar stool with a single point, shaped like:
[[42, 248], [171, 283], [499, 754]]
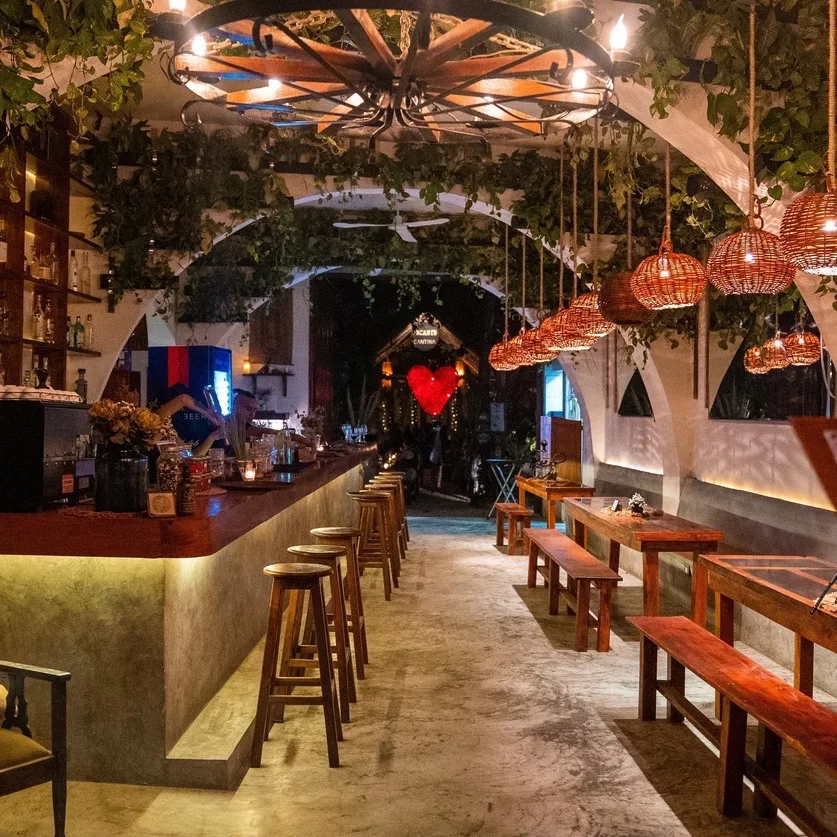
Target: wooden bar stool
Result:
[[400, 501], [400, 475], [341, 650], [371, 553], [396, 522], [296, 579], [346, 537], [396, 544]]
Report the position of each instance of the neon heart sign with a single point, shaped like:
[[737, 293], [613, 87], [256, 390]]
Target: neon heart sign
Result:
[[432, 389]]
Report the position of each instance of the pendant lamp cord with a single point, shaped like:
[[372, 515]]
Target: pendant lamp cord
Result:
[[667, 232], [523, 285], [540, 285], [575, 230], [506, 294], [832, 92], [595, 204], [751, 157], [561, 232], [630, 205]]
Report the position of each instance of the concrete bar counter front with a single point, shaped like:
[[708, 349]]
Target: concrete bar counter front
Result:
[[159, 622]]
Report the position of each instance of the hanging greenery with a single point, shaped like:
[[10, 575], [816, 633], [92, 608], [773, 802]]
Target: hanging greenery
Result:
[[49, 52]]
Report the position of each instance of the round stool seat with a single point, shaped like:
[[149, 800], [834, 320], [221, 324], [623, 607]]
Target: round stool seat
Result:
[[391, 474], [367, 496], [297, 570], [335, 532], [318, 551]]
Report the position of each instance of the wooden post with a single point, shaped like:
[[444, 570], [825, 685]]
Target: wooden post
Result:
[[731, 774], [769, 758], [677, 680], [647, 680]]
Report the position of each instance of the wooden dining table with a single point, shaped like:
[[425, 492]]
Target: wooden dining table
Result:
[[649, 535], [552, 492], [781, 587]]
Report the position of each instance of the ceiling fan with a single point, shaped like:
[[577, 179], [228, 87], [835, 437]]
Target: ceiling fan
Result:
[[398, 225]]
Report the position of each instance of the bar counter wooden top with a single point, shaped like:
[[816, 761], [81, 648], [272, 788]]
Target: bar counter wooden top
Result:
[[219, 521]]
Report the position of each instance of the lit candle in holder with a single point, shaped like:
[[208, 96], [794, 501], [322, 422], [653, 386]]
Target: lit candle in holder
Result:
[[247, 469]]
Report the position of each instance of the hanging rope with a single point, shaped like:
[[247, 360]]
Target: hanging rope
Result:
[[523, 286], [561, 233], [595, 205], [540, 283], [630, 204], [832, 91], [506, 293], [751, 158], [667, 233], [575, 230]]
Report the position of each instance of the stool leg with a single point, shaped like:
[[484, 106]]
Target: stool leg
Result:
[[500, 528], [271, 652], [356, 605], [334, 732], [345, 680], [388, 558], [290, 640]]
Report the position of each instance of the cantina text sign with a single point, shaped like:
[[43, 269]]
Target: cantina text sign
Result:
[[425, 333]]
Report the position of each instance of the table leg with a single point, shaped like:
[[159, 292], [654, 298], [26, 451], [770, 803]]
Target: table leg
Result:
[[499, 527], [803, 665], [613, 555], [700, 590], [580, 533], [724, 629], [550, 513], [521, 496], [651, 583]]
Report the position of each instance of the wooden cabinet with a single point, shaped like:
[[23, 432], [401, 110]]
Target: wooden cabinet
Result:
[[563, 436], [35, 272]]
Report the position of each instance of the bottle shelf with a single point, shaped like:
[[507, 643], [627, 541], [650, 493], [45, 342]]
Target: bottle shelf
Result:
[[72, 350], [43, 345], [78, 241], [78, 298], [44, 223]]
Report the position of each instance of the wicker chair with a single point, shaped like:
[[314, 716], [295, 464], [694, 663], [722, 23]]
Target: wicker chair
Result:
[[23, 762]]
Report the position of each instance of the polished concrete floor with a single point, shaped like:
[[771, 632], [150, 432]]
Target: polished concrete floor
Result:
[[476, 717]]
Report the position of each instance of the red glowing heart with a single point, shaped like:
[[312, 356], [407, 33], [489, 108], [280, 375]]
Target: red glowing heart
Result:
[[432, 389]]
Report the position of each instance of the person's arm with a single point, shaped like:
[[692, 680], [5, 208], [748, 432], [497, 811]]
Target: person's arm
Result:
[[185, 401], [302, 440], [203, 448]]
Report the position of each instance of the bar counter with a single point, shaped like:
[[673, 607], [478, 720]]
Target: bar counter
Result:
[[153, 617]]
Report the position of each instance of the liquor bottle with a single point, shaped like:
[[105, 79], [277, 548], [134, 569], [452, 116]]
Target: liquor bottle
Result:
[[69, 330], [53, 264], [73, 266], [44, 269], [81, 385], [4, 315], [78, 334], [84, 274], [4, 243], [27, 378], [37, 320], [2, 372], [49, 323], [88, 333]]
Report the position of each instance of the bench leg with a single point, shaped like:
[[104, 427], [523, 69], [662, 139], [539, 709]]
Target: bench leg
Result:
[[731, 773], [572, 589], [769, 758], [647, 680], [513, 523], [582, 617], [499, 528], [554, 588], [603, 631], [677, 679], [532, 575], [803, 665], [613, 555]]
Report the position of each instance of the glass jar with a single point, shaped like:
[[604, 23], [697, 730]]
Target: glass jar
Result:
[[216, 463], [198, 467], [170, 466]]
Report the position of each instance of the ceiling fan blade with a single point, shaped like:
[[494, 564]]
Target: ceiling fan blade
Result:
[[343, 225], [432, 222], [405, 233]]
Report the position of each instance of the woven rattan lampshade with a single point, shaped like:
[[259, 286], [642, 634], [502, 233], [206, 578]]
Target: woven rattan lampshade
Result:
[[618, 303], [749, 262], [802, 348], [497, 357], [590, 320], [668, 280], [515, 353], [808, 233], [754, 361], [536, 349], [774, 354], [561, 335]]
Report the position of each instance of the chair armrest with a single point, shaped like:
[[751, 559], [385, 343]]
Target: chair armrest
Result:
[[34, 671]]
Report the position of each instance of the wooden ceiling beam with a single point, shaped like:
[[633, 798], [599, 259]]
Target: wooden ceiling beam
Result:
[[363, 31], [278, 68], [459, 71], [455, 43], [501, 113], [283, 93]]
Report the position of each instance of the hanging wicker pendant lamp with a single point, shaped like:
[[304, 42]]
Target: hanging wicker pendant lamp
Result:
[[750, 261], [669, 279], [773, 353], [521, 344], [534, 339], [754, 361], [802, 348], [808, 231]]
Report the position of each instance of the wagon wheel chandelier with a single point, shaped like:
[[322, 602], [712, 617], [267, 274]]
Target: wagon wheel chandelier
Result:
[[478, 68]]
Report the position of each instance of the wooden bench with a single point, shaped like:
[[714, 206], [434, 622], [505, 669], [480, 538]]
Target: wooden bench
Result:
[[516, 515], [783, 714], [582, 569]]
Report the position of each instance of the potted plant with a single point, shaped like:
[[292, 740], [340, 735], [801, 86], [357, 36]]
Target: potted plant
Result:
[[123, 434]]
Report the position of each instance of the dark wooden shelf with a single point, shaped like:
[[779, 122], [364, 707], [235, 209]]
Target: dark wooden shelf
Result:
[[72, 350], [78, 298], [43, 345], [73, 297], [83, 243], [44, 285], [80, 188], [44, 222]]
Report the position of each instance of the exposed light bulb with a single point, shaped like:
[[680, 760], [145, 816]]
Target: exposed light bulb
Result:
[[619, 35], [830, 225], [665, 273], [749, 258], [354, 100], [777, 343], [578, 79], [274, 83], [199, 45], [488, 99], [177, 6]]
